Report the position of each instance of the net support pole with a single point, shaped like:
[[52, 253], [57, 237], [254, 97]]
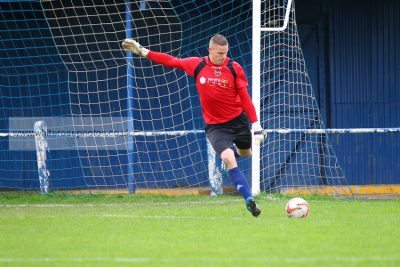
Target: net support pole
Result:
[[214, 174], [255, 90], [130, 94], [42, 147]]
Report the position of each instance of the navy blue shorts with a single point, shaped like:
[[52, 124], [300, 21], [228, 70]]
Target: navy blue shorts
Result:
[[224, 135]]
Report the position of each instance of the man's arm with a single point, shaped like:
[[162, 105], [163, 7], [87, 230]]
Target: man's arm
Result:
[[167, 60], [247, 105], [250, 111], [160, 58]]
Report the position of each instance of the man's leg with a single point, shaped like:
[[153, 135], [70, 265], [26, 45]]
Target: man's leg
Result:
[[239, 153], [239, 180], [222, 138]]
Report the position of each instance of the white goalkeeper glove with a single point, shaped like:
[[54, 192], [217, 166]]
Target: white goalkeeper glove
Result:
[[131, 45], [258, 134]]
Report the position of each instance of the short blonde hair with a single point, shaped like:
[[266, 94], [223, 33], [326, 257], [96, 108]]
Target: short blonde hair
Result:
[[218, 39]]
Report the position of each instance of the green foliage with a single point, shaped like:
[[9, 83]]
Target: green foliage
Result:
[[122, 230]]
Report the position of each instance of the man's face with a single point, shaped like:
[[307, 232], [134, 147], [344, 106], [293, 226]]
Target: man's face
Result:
[[218, 53]]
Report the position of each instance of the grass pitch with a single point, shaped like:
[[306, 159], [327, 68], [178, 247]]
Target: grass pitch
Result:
[[194, 231]]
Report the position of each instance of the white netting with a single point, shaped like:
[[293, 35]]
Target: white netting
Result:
[[301, 159], [62, 62], [107, 90]]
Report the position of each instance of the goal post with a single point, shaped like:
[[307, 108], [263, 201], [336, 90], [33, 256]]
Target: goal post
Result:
[[256, 45], [280, 18]]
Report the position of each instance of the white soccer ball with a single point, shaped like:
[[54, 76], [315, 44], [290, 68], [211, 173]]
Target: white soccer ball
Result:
[[297, 208]]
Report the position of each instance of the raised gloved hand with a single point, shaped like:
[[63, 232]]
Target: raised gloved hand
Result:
[[259, 135], [131, 45]]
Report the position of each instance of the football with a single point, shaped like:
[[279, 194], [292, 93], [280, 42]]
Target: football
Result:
[[297, 208]]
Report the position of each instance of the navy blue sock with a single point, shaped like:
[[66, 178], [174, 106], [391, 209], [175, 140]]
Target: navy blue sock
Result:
[[240, 182]]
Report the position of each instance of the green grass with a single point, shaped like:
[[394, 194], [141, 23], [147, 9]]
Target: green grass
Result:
[[58, 230]]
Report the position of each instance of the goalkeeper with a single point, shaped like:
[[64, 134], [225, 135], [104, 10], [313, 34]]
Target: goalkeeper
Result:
[[226, 105]]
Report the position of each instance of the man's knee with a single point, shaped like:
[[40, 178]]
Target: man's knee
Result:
[[228, 157]]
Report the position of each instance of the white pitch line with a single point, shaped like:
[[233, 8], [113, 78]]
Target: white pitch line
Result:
[[187, 203], [325, 259], [168, 217], [79, 259]]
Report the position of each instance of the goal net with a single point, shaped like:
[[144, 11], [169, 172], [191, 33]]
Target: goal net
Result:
[[300, 160], [119, 122]]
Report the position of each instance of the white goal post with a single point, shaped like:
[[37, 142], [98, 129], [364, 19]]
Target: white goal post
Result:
[[256, 61]]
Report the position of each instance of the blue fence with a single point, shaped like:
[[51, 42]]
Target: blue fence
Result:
[[351, 53]]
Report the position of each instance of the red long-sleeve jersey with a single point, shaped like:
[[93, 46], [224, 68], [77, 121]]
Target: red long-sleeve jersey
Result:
[[222, 97]]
